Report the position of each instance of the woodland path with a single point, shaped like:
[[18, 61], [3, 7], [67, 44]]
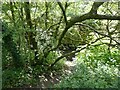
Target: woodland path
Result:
[[50, 80]]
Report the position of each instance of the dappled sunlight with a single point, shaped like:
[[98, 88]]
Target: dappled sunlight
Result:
[[60, 44]]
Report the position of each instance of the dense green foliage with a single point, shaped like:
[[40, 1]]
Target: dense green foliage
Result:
[[39, 37], [92, 70]]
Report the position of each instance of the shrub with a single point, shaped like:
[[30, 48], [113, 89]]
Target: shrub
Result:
[[85, 77], [92, 71]]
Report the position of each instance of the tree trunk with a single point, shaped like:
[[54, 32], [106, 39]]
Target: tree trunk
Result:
[[30, 35]]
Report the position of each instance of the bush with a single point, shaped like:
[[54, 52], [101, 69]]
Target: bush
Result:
[[29, 76], [84, 77], [91, 70]]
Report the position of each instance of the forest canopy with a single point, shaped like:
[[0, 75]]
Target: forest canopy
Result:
[[38, 38]]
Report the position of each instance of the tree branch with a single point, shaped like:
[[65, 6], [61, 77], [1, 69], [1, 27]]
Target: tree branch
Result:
[[95, 7], [92, 29], [107, 17], [68, 54], [91, 15], [71, 23], [71, 53], [63, 11]]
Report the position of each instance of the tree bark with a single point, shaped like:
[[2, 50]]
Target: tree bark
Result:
[[30, 35]]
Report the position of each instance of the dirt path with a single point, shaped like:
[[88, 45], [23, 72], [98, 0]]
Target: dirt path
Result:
[[49, 80]]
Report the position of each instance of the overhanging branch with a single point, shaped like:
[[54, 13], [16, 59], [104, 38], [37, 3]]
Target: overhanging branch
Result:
[[68, 54], [103, 17], [73, 52], [86, 17], [91, 15]]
